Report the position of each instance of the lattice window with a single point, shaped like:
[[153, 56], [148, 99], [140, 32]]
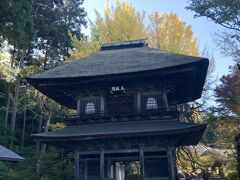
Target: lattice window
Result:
[[90, 108], [151, 103]]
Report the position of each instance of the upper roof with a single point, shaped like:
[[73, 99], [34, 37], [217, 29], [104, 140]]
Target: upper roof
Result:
[[8, 155], [121, 62], [118, 58]]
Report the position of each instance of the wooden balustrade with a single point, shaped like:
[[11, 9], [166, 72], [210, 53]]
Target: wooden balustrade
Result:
[[122, 116]]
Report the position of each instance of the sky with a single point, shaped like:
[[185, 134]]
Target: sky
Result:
[[203, 28]]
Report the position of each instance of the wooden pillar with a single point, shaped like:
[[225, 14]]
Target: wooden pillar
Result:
[[141, 154], [114, 171], [138, 101], [102, 165], [170, 163], [79, 106], [102, 104], [164, 95], [76, 169], [174, 161], [85, 169], [109, 169]]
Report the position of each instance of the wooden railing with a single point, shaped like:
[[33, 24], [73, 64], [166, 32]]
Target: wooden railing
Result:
[[122, 116]]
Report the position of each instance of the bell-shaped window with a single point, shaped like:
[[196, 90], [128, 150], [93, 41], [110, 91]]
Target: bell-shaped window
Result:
[[90, 108], [151, 103]]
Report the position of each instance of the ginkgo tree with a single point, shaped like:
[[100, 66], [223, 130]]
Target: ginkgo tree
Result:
[[168, 32], [82, 48], [118, 23], [122, 21]]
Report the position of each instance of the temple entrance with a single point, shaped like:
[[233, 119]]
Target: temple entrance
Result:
[[114, 169], [124, 166], [128, 170]]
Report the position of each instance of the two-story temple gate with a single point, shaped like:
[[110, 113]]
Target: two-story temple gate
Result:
[[126, 124]]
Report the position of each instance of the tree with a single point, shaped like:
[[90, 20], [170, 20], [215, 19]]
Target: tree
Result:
[[39, 32], [226, 114], [226, 14], [120, 22], [82, 48], [18, 29], [43, 25], [168, 32], [228, 97], [56, 20]]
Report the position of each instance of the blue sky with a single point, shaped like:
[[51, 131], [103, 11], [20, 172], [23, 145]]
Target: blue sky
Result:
[[204, 29]]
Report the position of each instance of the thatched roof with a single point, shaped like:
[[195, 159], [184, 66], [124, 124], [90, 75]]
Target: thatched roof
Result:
[[118, 61]]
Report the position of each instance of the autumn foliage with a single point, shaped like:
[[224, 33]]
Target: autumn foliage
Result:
[[168, 32], [228, 107], [228, 92]]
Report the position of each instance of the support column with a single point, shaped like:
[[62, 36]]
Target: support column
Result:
[[174, 161], [102, 165], [102, 104], [141, 153], [138, 101], [114, 171], [76, 169], [109, 169], [85, 169], [164, 95], [78, 106], [170, 163]]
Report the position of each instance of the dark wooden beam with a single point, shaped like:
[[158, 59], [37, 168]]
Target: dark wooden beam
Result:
[[146, 149], [76, 173], [109, 170], [114, 170], [102, 165], [170, 163], [86, 169], [141, 154]]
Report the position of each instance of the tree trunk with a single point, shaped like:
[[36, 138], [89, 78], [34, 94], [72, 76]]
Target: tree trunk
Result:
[[15, 100], [7, 109], [9, 96], [24, 119], [40, 125], [38, 152], [43, 147], [15, 108]]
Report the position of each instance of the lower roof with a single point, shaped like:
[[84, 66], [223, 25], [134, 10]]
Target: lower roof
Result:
[[121, 129]]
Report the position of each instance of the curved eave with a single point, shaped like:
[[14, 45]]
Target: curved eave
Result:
[[187, 134]]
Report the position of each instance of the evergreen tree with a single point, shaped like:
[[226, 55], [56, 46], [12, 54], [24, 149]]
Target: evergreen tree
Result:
[[56, 20], [43, 25]]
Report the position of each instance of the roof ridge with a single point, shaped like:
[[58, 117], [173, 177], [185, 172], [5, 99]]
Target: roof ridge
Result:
[[123, 44]]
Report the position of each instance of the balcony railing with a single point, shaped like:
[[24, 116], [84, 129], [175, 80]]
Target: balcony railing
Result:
[[122, 116]]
